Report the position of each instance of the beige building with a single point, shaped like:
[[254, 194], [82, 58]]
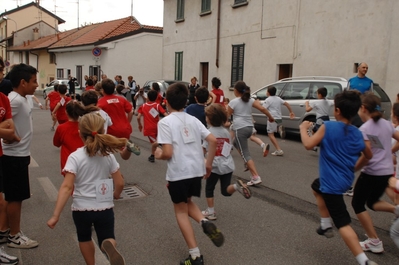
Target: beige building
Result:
[[264, 41]]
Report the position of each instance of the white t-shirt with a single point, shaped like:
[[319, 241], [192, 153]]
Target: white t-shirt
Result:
[[107, 118], [221, 164], [87, 170], [273, 105], [321, 107], [242, 115], [188, 158], [22, 118], [140, 100]]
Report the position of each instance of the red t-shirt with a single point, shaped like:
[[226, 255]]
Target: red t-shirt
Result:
[[89, 88], [150, 112], [5, 112], [61, 112], [67, 137], [117, 108], [54, 98], [159, 99], [219, 95]]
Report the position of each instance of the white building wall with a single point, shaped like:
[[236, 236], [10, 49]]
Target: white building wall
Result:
[[317, 37]]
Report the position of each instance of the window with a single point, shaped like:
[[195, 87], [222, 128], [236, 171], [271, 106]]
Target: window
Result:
[[60, 73], [261, 94], [205, 6], [237, 64], [296, 91], [178, 65], [52, 58], [79, 73], [180, 10], [236, 2]]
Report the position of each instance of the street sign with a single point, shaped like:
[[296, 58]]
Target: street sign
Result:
[[7, 63], [96, 51]]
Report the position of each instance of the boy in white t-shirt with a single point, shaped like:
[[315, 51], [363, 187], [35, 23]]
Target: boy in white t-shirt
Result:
[[180, 135], [273, 105]]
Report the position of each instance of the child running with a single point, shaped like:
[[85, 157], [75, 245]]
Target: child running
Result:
[[180, 135], [89, 100], [241, 109], [273, 105], [223, 163], [150, 111], [322, 108], [340, 146], [373, 180], [59, 110], [53, 97], [198, 110], [87, 171]]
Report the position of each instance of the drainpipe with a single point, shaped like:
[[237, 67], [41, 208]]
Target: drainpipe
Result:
[[218, 36]]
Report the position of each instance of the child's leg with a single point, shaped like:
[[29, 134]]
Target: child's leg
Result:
[[211, 182], [274, 141], [109, 247], [183, 211], [321, 205], [3, 213], [351, 240], [14, 216], [87, 250], [125, 154]]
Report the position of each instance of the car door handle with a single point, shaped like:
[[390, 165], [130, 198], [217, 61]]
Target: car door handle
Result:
[[301, 105]]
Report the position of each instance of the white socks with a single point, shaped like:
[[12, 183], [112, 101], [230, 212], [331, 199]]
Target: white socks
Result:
[[325, 223], [362, 258], [211, 210], [194, 253]]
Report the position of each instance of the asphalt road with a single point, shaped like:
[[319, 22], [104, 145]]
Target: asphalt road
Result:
[[276, 226]]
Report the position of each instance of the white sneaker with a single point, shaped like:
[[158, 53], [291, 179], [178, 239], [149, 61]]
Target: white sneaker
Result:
[[209, 216], [368, 245], [349, 192], [254, 182], [21, 241], [7, 259], [278, 153]]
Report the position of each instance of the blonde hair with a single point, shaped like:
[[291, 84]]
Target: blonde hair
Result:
[[91, 128]]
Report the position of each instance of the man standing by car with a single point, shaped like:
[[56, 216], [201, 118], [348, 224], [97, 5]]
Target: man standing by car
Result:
[[71, 84], [361, 82]]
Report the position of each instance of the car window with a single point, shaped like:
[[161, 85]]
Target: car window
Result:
[[380, 93], [261, 94], [332, 89], [295, 90]]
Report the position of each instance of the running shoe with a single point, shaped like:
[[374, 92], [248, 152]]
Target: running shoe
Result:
[[243, 189], [370, 262], [369, 245], [151, 159], [349, 192], [114, 257], [265, 149], [213, 233], [278, 153], [328, 232], [191, 261], [4, 236], [254, 182], [209, 216], [21, 241], [281, 131], [132, 147], [7, 259]]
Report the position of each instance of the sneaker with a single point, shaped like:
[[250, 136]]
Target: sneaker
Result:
[[369, 262], [246, 167], [114, 257], [151, 159], [209, 216], [368, 245], [191, 261], [7, 259], [4, 236], [349, 192], [21, 241], [213, 233], [265, 149], [328, 232], [278, 153], [281, 131], [254, 182], [132, 147], [243, 189]]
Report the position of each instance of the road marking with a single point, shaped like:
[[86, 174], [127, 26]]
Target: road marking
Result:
[[99, 257], [49, 188], [33, 162]]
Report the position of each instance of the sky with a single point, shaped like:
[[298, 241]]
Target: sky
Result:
[[147, 12]]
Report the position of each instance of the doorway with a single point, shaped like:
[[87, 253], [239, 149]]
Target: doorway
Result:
[[284, 71], [204, 74]]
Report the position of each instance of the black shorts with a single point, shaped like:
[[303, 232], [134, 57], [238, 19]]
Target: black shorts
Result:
[[182, 190], [336, 206], [16, 177], [103, 222]]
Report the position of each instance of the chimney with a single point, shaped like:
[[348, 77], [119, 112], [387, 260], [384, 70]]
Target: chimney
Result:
[[35, 33]]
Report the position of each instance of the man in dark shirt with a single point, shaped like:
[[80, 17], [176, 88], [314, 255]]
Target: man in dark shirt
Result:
[[5, 84], [71, 84]]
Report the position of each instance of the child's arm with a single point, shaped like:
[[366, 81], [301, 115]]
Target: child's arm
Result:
[[395, 147], [37, 101], [394, 183], [7, 131], [56, 109], [130, 115], [118, 184], [212, 142], [139, 122], [258, 106], [213, 96], [365, 156], [308, 107], [311, 141], [63, 195], [292, 115], [163, 153], [46, 102]]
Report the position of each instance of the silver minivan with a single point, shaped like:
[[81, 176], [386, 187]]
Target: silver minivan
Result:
[[297, 90]]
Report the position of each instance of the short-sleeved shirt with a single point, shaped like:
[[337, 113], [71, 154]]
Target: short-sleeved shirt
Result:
[[141, 98], [197, 111], [242, 114], [61, 115], [107, 120], [67, 137], [363, 84], [340, 149], [219, 95], [380, 136], [22, 118], [273, 105], [188, 158], [117, 108], [150, 112], [87, 171], [54, 98], [321, 107], [221, 164], [5, 112]]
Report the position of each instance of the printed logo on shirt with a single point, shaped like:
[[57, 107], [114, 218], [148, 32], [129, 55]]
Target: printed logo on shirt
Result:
[[2, 113], [112, 100], [219, 145]]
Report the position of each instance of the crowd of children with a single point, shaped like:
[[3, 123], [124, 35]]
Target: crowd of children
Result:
[[89, 132]]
